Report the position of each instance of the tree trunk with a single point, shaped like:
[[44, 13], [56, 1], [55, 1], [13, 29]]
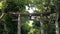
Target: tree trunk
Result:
[[41, 25], [19, 24]]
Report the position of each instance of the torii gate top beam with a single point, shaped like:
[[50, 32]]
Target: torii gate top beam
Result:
[[31, 14]]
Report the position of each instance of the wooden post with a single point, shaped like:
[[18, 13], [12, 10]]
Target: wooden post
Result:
[[5, 29], [56, 23], [19, 24], [41, 25], [57, 16]]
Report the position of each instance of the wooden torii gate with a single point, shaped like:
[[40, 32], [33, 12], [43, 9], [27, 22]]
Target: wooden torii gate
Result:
[[28, 14]]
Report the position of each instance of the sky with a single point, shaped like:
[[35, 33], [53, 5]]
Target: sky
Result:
[[31, 9]]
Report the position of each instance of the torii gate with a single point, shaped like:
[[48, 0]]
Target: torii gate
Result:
[[28, 14]]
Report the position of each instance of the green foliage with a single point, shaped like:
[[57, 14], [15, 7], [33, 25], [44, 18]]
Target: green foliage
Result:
[[11, 6], [1, 4]]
